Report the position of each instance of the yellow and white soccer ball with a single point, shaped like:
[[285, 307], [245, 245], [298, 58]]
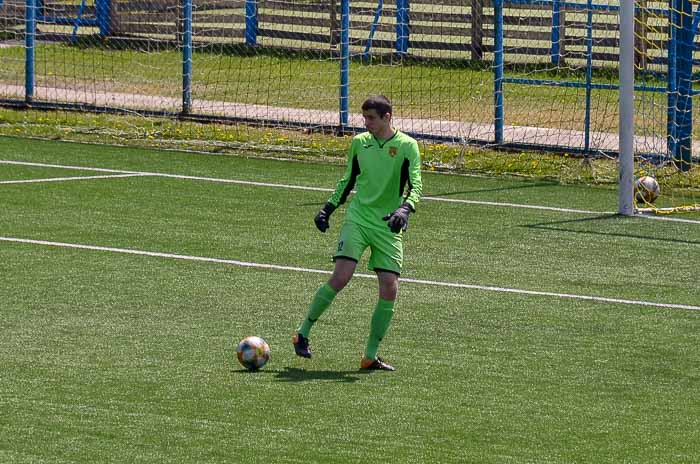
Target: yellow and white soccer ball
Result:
[[253, 353], [646, 189]]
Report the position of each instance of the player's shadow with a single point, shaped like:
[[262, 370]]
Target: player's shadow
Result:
[[295, 374], [314, 203], [496, 189], [568, 226], [462, 192]]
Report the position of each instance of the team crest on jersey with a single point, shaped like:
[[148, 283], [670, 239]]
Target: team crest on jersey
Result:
[[393, 151]]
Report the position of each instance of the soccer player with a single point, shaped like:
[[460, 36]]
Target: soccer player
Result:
[[384, 169]]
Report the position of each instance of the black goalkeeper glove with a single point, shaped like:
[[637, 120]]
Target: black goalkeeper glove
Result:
[[321, 219], [398, 220]]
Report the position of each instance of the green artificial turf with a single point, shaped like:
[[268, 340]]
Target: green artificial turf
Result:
[[114, 357]]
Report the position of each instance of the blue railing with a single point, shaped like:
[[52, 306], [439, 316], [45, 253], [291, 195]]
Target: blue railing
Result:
[[101, 19]]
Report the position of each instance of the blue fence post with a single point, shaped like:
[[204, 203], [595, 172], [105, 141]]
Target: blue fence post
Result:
[[498, 71], [187, 57], [344, 64], [556, 29], [30, 32], [672, 82], [402, 31], [103, 13], [589, 76], [684, 71], [251, 22]]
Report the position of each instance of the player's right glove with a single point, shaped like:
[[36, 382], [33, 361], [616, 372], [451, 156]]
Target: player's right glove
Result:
[[398, 220], [321, 219]]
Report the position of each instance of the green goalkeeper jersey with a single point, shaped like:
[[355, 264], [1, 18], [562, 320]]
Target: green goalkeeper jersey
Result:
[[384, 174]]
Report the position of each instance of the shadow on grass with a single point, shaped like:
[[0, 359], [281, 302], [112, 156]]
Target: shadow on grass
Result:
[[318, 204], [499, 189], [295, 374], [463, 192], [561, 226]]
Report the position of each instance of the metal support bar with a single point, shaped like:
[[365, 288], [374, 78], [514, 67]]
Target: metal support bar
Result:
[[373, 29], [498, 71], [556, 32], [187, 57], [30, 33], [402, 31], [589, 76], [344, 64], [251, 22]]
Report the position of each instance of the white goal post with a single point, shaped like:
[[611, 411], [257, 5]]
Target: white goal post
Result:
[[626, 128]]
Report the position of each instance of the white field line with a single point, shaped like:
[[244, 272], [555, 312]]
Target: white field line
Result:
[[670, 219], [293, 187], [173, 176], [65, 179], [321, 189], [319, 271]]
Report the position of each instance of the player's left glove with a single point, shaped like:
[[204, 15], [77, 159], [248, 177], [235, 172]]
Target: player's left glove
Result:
[[321, 219], [398, 220]]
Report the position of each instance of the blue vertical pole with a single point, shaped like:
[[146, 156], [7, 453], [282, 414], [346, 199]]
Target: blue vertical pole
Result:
[[498, 71], [589, 76], [251, 22], [344, 63], [556, 29], [103, 13], [672, 82], [187, 57], [684, 72], [402, 32], [30, 32]]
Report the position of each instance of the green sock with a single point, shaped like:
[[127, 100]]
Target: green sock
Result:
[[381, 319], [322, 300]]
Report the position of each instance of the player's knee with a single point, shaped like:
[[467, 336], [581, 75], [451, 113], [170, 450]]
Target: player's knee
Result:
[[388, 289], [340, 279], [388, 293], [338, 282], [344, 269]]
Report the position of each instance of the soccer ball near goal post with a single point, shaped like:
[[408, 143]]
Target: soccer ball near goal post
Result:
[[646, 189], [253, 353]]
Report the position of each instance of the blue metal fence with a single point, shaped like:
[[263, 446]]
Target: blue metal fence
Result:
[[679, 66], [679, 74]]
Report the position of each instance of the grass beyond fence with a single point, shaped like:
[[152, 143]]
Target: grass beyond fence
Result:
[[419, 90]]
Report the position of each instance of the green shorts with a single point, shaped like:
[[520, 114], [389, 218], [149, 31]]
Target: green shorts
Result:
[[386, 247]]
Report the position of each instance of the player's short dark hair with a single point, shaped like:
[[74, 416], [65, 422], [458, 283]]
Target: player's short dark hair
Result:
[[379, 103]]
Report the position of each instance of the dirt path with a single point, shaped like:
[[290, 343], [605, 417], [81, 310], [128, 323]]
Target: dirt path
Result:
[[451, 129]]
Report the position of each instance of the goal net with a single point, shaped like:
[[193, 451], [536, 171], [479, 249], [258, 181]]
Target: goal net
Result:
[[665, 143], [536, 79]]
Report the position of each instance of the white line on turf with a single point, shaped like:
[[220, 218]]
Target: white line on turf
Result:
[[670, 219], [320, 271], [320, 189], [64, 179], [172, 176], [298, 187]]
